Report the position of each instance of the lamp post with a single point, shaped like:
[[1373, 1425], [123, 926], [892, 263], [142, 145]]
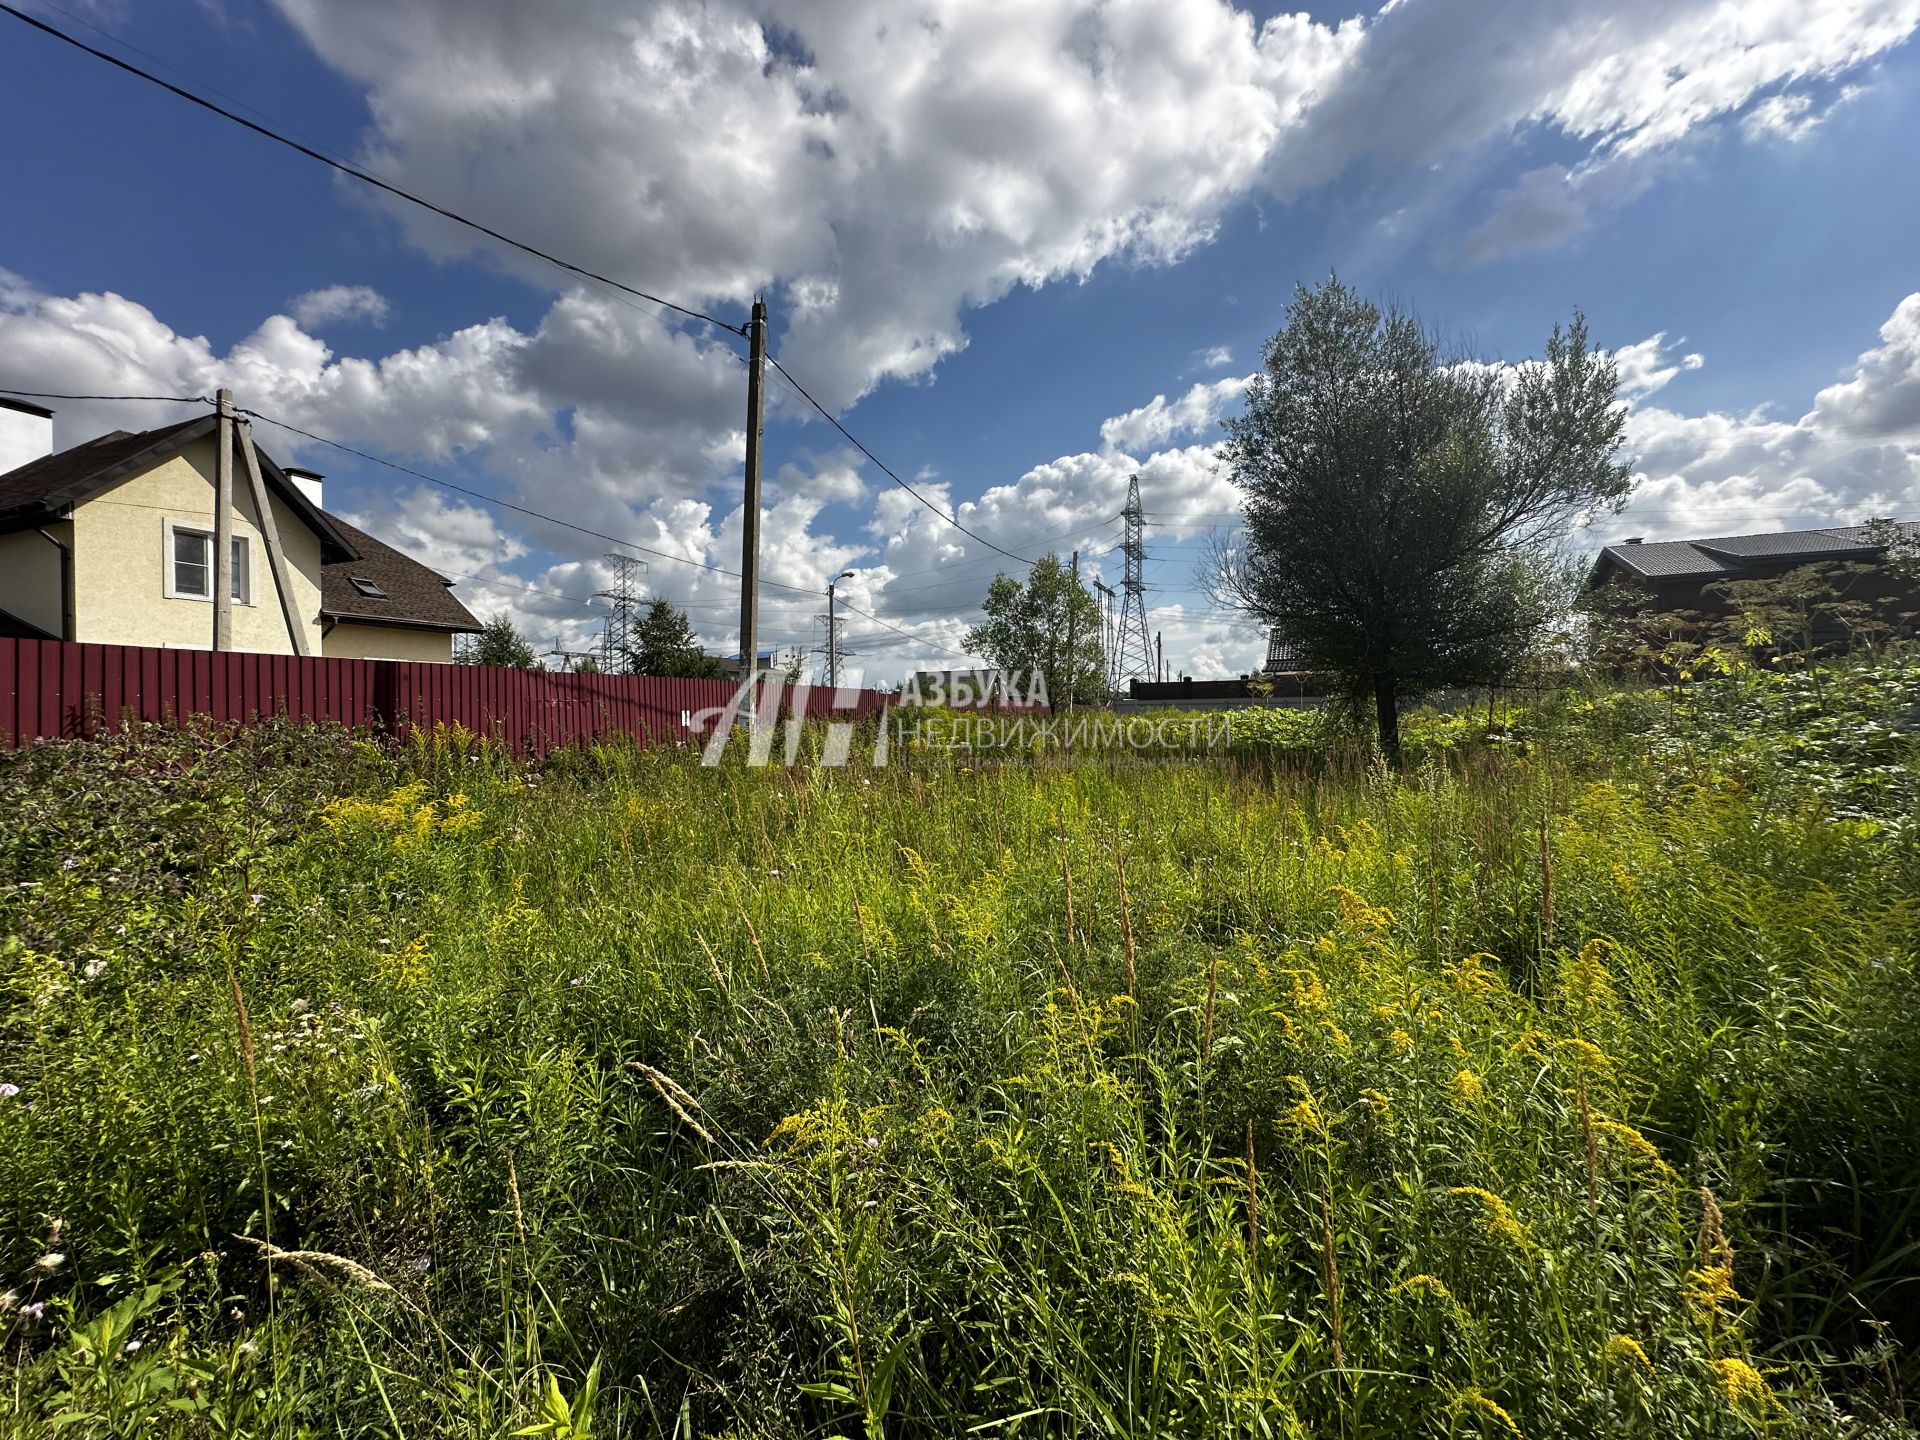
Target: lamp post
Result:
[[833, 632]]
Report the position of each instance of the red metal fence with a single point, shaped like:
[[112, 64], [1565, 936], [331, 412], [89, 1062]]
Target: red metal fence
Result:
[[50, 688]]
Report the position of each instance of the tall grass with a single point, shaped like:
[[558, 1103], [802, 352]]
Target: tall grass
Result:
[[1565, 1087]]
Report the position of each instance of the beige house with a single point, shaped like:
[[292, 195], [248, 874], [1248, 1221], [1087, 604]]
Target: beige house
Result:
[[112, 542]]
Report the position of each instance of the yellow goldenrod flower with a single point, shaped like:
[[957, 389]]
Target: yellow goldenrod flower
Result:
[[1741, 1383], [1710, 1291], [1625, 1347], [1636, 1145], [1471, 1399], [1497, 1217], [1469, 1088], [1430, 1285], [1401, 1041]]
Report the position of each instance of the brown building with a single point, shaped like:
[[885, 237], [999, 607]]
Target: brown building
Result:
[[1683, 575]]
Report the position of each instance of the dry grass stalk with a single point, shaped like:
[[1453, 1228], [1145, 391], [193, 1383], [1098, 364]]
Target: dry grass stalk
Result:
[[1593, 1148], [1066, 876], [713, 960], [758, 954], [1546, 884], [1213, 994], [246, 1034], [1253, 1200], [513, 1189], [677, 1100], [319, 1264], [1713, 1245], [1330, 1276]]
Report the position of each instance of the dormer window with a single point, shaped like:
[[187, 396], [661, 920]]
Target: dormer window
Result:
[[367, 587]]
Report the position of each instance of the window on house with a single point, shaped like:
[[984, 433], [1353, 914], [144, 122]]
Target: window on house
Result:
[[367, 587], [193, 565]]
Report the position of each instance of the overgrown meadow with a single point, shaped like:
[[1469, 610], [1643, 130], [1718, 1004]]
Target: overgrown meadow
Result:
[[1567, 1085]]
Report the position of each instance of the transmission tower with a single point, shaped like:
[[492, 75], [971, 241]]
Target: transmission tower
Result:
[[1132, 654], [833, 649], [616, 641]]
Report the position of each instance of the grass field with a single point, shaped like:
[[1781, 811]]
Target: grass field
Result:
[[1566, 1086]]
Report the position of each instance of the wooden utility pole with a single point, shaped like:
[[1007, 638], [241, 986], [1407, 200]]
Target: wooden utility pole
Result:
[[1073, 612], [750, 513], [223, 521], [1160, 655], [270, 532]]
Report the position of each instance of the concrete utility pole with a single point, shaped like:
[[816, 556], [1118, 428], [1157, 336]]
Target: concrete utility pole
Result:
[[1073, 611], [223, 521], [833, 632], [1159, 657], [750, 513]]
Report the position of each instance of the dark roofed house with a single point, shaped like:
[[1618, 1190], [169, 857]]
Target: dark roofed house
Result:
[[1683, 575], [111, 541]]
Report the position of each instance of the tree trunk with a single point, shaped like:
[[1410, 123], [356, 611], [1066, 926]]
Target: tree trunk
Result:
[[1386, 713]]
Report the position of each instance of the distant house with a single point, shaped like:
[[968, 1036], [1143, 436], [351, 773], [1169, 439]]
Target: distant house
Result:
[[1680, 575], [112, 542], [1282, 658]]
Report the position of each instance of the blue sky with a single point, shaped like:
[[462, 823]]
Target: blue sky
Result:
[[992, 236]]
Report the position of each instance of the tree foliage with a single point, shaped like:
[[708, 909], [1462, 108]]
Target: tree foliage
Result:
[[664, 644], [1028, 628], [500, 644], [1403, 502]]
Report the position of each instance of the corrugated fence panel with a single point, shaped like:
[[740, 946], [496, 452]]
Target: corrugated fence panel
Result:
[[49, 689]]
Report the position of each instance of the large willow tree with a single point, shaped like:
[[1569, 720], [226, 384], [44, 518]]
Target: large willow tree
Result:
[[1401, 503]]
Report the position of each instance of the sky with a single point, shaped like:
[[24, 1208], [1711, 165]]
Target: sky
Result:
[[1025, 249]]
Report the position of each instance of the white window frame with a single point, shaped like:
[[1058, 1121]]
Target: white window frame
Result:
[[242, 544]]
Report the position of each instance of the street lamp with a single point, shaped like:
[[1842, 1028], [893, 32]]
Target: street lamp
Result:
[[833, 632]]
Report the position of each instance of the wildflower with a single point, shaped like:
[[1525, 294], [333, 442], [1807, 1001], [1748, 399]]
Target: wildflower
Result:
[[1637, 1145], [1625, 1347], [133, 1346], [298, 1007], [1469, 1088], [8, 1090], [1376, 1101], [1303, 1117], [69, 863], [1472, 1399], [94, 969], [1401, 1041], [33, 1311], [1430, 1285], [1710, 1290], [1741, 1383], [50, 1262], [873, 1142], [1497, 1216]]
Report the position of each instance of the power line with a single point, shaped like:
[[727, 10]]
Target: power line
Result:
[[50, 395], [519, 509], [885, 469], [361, 175], [932, 644]]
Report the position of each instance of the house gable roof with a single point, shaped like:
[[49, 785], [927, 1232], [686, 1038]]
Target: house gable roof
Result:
[[416, 598], [48, 488], [1733, 555]]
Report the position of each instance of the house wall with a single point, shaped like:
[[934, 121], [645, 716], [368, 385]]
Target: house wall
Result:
[[30, 577], [121, 562], [347, 641]]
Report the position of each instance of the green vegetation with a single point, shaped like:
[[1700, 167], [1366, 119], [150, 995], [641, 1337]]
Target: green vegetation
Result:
[[1565, 1086]]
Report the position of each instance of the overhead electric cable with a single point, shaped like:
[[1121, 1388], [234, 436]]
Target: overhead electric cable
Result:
[[485, 498], [363, 176], [52, 395], [885, 469]]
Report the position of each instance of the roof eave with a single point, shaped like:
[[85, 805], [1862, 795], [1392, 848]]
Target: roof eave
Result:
[[398, 622]]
